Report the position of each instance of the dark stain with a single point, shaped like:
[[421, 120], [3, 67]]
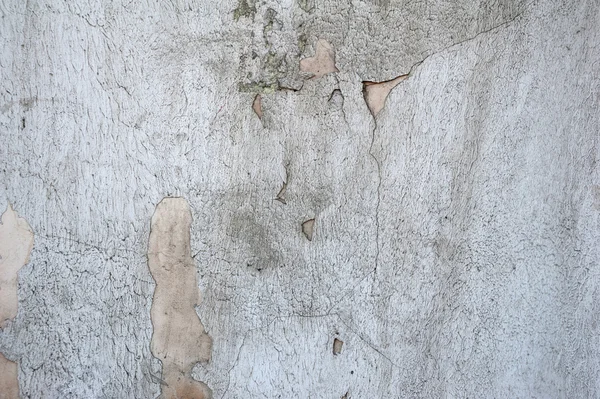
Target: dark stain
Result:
[[253, 239], [246, 9], [306, 5], [28, 102]]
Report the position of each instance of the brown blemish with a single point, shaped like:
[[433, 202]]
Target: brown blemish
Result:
[[323, 61], [308, 228], [179, 340], [9, 383], [375, 93], [28, 102], [16, 242], [346, 395], [337, 346], [257, 106]]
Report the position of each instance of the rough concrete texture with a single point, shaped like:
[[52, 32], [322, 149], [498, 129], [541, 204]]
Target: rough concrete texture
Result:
[[456, 244]]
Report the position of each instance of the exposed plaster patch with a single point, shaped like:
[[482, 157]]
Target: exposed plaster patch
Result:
[[179, 339], [257, 106], [308, 228], [16, 242], [9, 383], [375, 93], [337, 346], [323, 61]]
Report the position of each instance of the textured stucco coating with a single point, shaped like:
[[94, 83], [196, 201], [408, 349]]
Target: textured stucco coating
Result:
[[455, 246]]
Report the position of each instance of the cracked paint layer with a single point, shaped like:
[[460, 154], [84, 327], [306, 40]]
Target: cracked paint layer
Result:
[[323, 61], [16, 242], [376, 93], [179, 340]]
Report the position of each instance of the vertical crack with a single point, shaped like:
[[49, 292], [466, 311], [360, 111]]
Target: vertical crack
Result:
[[378, 164]]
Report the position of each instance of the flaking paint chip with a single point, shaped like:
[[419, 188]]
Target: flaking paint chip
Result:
[[337, 346], [308, 228], [322, 63], [257, 106], [178, 339], [281, 194], [375, 93]]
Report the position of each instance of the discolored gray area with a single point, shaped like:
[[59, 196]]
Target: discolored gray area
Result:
[[455, 239]]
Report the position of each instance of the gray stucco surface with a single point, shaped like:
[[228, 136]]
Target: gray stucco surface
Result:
[[455, 246]]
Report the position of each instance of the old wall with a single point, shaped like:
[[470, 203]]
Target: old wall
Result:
[[415, 213]]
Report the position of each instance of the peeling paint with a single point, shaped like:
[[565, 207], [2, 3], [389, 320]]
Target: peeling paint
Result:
[[16, 242], [337, 346], [376, 93], [281, 194], [179, 339], [336, 99], [257, 106], [308, 228], [323, 61], [9, 383]]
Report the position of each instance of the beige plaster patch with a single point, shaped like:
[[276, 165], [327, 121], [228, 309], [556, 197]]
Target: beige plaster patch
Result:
[[257, 106], [376, 93], [308, 228], [323, 61], [9, 384], [179, 339], [16, 242]]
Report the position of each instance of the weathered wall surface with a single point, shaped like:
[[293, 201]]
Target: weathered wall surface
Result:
[[453, 237]]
